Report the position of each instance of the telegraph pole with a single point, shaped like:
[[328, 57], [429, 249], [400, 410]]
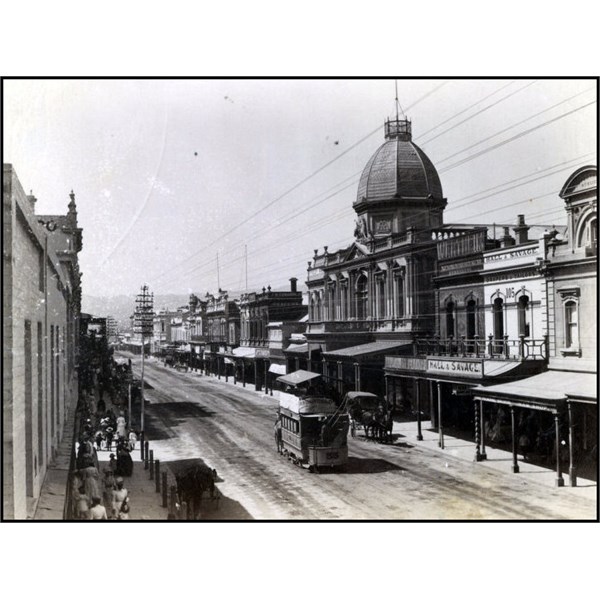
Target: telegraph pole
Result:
[[143, 319]]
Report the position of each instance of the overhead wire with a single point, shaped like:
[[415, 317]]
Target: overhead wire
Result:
[[304, 180], [466, 159]]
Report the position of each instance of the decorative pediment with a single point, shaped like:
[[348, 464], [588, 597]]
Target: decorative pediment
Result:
[[583, 180], [357, 250]]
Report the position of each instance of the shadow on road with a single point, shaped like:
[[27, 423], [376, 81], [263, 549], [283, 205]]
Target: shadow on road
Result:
[[160, 419], [225, 509], [370, 465]]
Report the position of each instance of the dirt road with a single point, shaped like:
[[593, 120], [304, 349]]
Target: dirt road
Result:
[[190, 416]]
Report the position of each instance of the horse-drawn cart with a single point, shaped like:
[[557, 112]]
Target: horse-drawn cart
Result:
[[368, 413]]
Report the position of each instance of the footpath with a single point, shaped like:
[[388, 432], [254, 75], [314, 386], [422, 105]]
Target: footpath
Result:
[[145, 503]]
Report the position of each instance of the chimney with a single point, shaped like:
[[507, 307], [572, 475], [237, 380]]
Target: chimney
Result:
[[521, 230], [32, 200], [293, 284], [507, 240]]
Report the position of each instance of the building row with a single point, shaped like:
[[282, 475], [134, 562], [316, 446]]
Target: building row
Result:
[[486, 329], [41, 301]]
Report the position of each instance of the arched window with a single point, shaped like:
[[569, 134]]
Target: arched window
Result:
[[450, 323], [571, 324], [318, 307], [381, 298], [471, 323], [312, 309], [361, 298], [343, 300], [399, 283], [522, 309], [498, 310]]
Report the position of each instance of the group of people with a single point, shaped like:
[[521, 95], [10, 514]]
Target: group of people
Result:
[[95, 500], [94, 497]]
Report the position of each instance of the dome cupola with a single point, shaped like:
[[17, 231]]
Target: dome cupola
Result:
[[400, 183]]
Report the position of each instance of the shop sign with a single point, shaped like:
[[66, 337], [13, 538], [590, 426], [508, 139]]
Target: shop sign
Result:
[[463, 368], [405, 363]]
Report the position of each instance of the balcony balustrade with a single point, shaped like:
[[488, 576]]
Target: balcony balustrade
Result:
[[498, 349], [363, 325]]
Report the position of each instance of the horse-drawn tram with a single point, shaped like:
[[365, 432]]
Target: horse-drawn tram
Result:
[[314, 432], [311, 430]]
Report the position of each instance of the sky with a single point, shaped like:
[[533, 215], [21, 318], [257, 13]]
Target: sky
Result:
[[178, 181]]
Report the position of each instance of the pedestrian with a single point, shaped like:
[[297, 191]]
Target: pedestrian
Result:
[[278, 434], [97, 511], [99, 440], [107, 494], [91, 482], [112, 463], [121, 426], [82, 507], [132, 440], [120, 498], [109, 438], [124, 460]]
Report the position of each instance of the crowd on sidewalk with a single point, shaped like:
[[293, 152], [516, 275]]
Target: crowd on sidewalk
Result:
[[100, 494]]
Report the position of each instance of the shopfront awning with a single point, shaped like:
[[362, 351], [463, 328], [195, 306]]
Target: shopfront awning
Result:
[[244, 352], [370, 349], [298, 377], [548, 388], [279, 369], [297, 349]]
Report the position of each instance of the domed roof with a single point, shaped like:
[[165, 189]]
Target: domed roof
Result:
[[399, 168]]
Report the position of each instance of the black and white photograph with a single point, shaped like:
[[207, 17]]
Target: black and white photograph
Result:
[[300, 299]]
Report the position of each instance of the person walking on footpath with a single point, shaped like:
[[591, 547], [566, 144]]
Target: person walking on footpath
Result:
[[132, 440], [120, 498], [121, 433], [97, 512], [107, 494], [82, 507]]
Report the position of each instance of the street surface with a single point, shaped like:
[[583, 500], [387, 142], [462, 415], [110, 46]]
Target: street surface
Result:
[[189, 416]]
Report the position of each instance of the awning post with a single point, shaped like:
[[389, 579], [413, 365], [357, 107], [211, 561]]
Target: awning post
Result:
[[419, 433], [515, 465], [572, 470], [560, 482], [477, 432], [440, 428], [483, 455]]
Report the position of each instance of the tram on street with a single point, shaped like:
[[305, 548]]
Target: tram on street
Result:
[[311, 430]]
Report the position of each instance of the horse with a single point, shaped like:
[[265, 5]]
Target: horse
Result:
[[192, 483], [374, 423]]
